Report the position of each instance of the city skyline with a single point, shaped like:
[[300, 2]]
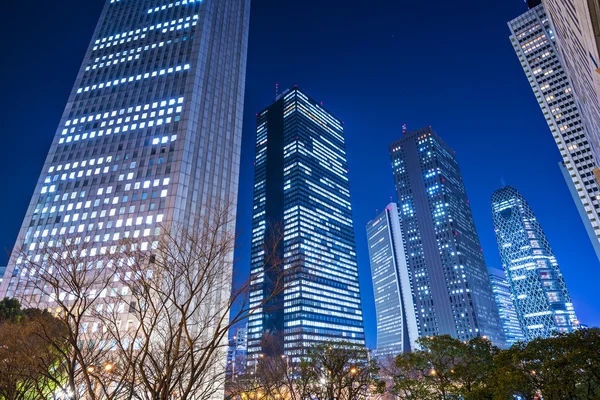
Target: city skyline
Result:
[[368, 133]]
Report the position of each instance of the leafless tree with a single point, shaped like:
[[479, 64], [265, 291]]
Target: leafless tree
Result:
[[336, 370], [180, 306], [72, 279], [145, 319]]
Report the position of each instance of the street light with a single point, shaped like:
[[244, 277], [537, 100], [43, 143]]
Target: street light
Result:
[[108, 367], [353, 371]]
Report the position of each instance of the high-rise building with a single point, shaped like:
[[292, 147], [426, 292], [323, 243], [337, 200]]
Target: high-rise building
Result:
[[301, 184], [236, 354], [506, 308], [576, 25], [541, 298], [449, 279], [150, 135], [397, 329], [534, 42], [583, 213]]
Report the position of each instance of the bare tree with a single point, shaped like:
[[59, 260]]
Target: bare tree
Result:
[[73, 280], [336, 370], [180, 306], [144, 319]]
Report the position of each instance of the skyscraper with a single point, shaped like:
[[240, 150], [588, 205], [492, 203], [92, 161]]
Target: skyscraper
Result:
[[576, 25], [534, 42], [450, 283], [151, 133], [506, 308], [541, 298], [397, 329], [301, 183]]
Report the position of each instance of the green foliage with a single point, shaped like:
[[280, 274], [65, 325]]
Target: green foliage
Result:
[[10, 310], [30, 366], [566, 366]]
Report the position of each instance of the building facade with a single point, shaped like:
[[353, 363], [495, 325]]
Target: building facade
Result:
[[576, 194], [533, 39], [451, 288], [577, 30], [506, 308], [149, 137], [541, 298], [301, 185], [397, 329]]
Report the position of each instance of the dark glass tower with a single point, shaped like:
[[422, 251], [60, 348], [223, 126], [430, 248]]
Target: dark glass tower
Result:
[[451, 287], [542, 301], [301, 183]]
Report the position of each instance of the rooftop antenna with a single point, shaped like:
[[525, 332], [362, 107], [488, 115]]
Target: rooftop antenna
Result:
[[404, 129], [276, 90]]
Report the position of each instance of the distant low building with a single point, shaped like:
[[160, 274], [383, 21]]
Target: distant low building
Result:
[[506, 307], [236, 353], [2, 271]]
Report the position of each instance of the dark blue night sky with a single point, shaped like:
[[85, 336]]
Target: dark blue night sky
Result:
[[375, 64]]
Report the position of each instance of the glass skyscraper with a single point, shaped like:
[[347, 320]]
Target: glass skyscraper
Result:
[[301, 184], [397, 329], [506, 308], [541, 298], [450, 284], [534, 42], [150, 135]]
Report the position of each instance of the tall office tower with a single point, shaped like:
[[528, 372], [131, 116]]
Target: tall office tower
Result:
[[301, 184], [533, 41], [151, 133], [576, 25], [506, 308], [397, 329], [576, 194], [451, 287], [541, 298]]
